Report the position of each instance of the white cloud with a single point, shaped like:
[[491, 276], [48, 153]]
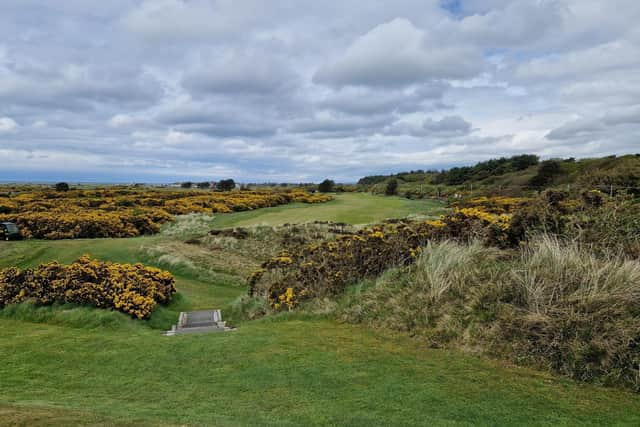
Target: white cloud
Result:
[[619, 54], [624, 121], [296, 90], [181, 20], [250, 72], [446, 127], [397, 53], [7, 124], [514, 23], [176, 137], [121, 120]]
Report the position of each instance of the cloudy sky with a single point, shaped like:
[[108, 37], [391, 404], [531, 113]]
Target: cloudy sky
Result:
[[284, 90]]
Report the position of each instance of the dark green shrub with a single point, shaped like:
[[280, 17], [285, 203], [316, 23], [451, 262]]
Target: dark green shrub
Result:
[[226, 185], [62, 186], [548, 170], [326, 186], [391, 188]]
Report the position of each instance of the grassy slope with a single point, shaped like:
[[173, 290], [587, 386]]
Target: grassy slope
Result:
[[573, 172], [298, 371]]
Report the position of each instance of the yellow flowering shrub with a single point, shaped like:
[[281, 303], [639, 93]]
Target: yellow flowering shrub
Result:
[[133, 289], [288, 300], [486, 218], [127, 212], [497, 204], [326, 267]]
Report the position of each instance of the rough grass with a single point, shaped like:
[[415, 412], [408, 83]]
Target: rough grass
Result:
[[556, 306], [68, 315], [554, 273], [185, 226]]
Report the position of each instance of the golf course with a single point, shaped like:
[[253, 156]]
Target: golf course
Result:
[[70, 365]]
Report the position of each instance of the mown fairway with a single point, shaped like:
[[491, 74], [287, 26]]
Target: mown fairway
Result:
[[351, 208], [288, 370]]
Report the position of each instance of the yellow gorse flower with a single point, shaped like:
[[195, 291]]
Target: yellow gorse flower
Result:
[[128, 212], [134, 289]]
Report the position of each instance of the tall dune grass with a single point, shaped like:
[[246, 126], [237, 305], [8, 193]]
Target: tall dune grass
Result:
[[554, 273], [554, 305]]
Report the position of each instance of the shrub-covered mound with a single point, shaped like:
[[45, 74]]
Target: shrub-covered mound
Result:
[[133, 289], [555, 305], [571, 307], [326, 267], [127, 212]]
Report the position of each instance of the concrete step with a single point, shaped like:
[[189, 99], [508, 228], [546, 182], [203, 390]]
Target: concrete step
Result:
[[196, 330], [199, 322]]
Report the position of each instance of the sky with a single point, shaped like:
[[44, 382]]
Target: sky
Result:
[[298, 91]]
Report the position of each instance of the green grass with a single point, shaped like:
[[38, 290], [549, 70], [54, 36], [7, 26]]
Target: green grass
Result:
[[78, 366], [293, 372], [350, 208]]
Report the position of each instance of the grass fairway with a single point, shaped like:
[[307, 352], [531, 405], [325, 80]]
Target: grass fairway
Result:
[[287, 370], [350, 208], [294, 372]]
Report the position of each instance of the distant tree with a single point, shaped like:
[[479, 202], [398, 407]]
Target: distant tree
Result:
[[373, 179], [524, 161], [226, 185], [326, 186], [203, 185], [547, 171], [187, 184], [392, 187], [62, 186]]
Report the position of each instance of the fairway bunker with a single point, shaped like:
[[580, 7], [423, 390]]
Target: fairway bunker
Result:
[[193, 322]]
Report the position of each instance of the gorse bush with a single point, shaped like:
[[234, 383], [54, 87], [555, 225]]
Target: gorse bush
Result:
[[556, 306], [606, 224], [568, 302], [89, 224], [325, 268], [132, 289], [126, 212]]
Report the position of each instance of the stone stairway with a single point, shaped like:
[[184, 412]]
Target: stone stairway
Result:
[[198, 322]]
